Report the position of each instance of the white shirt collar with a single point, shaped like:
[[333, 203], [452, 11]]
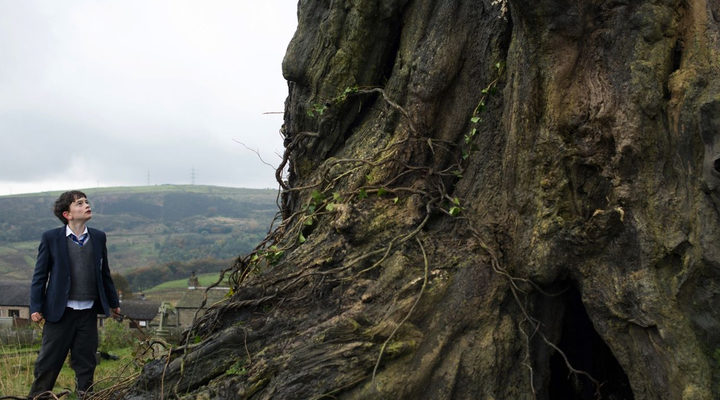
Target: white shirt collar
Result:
[[69, 231]]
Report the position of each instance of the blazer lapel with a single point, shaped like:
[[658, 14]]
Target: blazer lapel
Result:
[[63, 247], [97, 249]]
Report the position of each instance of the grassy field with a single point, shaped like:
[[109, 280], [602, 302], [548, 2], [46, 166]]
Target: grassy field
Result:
[[205, 280], [17, 365], [16, 371], [173, 291]]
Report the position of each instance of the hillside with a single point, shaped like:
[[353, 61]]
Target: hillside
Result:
[[146, 225], [173, 290]]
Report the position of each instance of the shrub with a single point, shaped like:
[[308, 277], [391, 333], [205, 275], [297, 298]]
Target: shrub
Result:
[[116, 335]]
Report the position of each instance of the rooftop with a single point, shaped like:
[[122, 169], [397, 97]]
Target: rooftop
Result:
[[192, 298], [15, 293], [141, 310]]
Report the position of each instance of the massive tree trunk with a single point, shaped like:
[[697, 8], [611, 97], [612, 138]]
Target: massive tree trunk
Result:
[[483, 200]]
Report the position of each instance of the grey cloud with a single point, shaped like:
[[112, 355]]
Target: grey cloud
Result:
[[113, 90]]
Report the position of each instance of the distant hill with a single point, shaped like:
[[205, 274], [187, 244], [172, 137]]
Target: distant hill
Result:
[[146, 225], [172, 291]]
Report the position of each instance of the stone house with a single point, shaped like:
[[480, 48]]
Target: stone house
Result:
[[140, 312], [15, 299], [193, 298]]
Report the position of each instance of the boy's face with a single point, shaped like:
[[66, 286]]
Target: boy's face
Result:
[[79, 210]]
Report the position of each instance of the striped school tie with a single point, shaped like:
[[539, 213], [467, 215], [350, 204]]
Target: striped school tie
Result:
[[79, 241]]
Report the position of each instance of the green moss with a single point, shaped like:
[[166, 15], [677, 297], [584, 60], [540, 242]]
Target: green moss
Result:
[[237, 369], [372, 178], [351, 325], [304, 166], [255, 387], [400, 347], [319, 338]]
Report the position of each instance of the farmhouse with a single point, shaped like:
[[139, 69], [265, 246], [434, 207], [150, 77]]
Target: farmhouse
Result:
[[15, 299], [140, 312], [192, 301]]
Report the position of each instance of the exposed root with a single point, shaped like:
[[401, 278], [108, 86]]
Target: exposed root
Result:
[[570, 367], [417, 300]]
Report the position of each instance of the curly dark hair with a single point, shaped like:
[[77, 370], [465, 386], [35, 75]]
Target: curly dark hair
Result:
[[63, 202]]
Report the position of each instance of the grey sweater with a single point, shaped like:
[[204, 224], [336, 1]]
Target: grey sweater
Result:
[[83, 283]]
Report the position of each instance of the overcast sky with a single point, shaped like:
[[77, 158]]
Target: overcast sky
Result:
[[130, 92]]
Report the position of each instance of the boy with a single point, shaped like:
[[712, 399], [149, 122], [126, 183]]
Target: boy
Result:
[[70, 286]]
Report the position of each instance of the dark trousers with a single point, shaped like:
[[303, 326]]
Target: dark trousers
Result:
[[75, 332]]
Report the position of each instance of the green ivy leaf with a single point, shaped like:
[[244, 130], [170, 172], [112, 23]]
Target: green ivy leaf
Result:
[[317, 196], [319, 108], [395, 200], [456, 201], [301, 238], [475, 120], [276, 256], [455, 211], [381, 192], [330, 206], [362, 194]]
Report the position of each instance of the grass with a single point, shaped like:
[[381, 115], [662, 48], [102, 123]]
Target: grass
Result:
[[16, 372], [17, 365], [205, 280], [5, 250], [173, 291]]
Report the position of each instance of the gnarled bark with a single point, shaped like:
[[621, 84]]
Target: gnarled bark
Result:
[[484, 205]]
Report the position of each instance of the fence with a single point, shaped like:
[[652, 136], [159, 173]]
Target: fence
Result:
[[17, 332]]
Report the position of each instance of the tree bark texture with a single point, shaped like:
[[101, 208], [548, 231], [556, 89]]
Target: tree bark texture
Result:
[[483, 200]]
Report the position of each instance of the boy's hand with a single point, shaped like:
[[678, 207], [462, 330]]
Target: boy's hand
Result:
[[36, 317], [115, 314]]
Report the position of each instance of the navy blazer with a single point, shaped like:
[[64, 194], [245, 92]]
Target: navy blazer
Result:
[[50, 287]]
